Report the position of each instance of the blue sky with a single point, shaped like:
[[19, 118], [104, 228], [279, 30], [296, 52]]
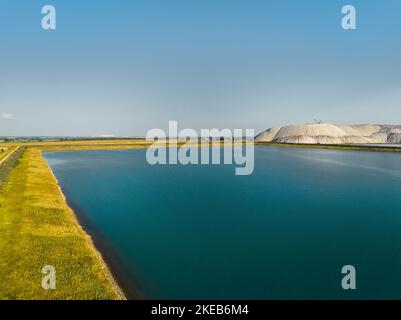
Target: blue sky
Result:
[[124, 67]]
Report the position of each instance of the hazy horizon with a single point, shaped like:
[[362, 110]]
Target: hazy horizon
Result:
[[124, 67]]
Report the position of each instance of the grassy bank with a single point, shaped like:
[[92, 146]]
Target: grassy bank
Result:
[[37, 228]]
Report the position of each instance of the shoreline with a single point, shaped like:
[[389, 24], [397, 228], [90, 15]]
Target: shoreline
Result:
[[109, 256], [343, 147], [102, 261]]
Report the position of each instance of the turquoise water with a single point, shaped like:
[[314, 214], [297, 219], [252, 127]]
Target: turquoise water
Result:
[[183, 232]]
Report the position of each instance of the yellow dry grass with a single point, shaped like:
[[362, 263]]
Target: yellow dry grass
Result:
[[37, 228]]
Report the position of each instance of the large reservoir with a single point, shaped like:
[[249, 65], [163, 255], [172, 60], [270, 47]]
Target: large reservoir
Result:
[[200, 231]]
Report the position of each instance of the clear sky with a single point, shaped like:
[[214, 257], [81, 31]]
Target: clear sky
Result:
[[124, 67]]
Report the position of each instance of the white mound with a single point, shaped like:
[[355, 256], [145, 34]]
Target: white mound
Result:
[[325, 133]]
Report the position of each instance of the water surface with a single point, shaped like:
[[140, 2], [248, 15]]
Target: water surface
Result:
[[178, 231]]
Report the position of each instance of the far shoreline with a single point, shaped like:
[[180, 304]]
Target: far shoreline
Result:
[[388, 148]]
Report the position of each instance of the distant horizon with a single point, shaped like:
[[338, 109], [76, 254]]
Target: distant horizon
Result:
[[226, 64], [105, 137]]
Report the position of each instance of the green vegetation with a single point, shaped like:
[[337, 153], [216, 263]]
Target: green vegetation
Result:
[[4, 151], [37, 228], [8, 162], [331, 146]]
